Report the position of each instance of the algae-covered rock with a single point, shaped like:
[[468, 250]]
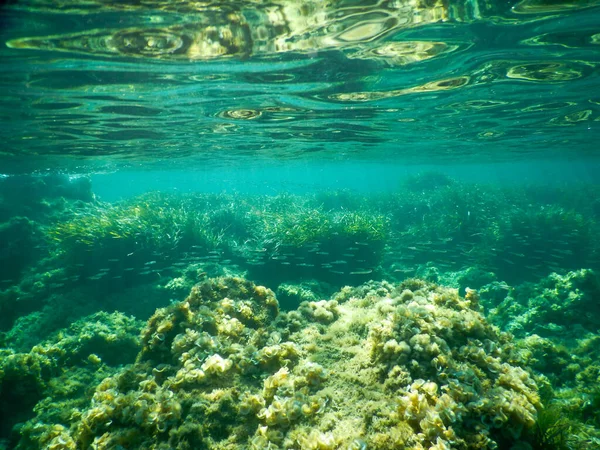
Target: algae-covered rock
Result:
[[381, 366], [564, 306], [291, 295], [556, 322], [64, 307], [38, 196], [56, 376]]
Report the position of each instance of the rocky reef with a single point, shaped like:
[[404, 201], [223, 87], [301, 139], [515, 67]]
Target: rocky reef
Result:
[[57, 376], [382, 366], [430, 228], [564, 306], [403, 363], [555, 323]]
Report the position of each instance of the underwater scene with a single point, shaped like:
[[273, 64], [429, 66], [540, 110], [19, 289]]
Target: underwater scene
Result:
[[300, 224]]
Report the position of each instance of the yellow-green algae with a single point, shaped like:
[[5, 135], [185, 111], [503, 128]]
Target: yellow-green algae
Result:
[[560, 306], [383, 366], [556, 323], [57, 376]]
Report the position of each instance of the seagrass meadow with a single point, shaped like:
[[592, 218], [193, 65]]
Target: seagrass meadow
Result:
[[300, 225]]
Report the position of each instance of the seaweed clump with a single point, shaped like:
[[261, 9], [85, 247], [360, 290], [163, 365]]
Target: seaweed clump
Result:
[[382, 366], [551, 307], [556, 323], [49, 382]]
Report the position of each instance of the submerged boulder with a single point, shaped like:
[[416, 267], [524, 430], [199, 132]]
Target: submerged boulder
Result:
[[559, 306], [48, 383], [381, 366]]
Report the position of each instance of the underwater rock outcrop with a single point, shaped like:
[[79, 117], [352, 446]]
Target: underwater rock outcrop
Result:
[[555, 323], [561, 306], [38, 197], [28, 205], [381, 366], [19, 237], [54, 378]]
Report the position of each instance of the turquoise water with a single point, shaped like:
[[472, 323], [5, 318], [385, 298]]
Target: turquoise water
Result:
[[300, 225]]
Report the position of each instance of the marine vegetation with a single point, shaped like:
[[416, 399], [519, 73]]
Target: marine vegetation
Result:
[[311, 241], [542, 237], [514, 232], [432, 227], [130, 233], [553, 431], [156, 229], [56, 375], [559, 306], [556, 323], [27, 204], [338, 237], [381, 366]]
